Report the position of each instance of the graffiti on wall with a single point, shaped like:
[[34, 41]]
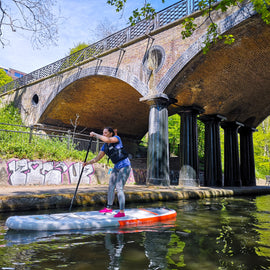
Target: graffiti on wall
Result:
[[26, 172], [131, 179], [140, 176]]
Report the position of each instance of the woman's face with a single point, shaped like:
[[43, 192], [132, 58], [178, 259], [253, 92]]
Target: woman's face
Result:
[[106, 133]]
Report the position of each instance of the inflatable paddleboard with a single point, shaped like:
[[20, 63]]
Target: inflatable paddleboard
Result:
[[14, 237], [89, 220]]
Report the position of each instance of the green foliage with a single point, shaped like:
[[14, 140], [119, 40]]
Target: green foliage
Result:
[[229, 39], [262, 7], [174, 123], [4, 78], [17, 145], [77, 54], [212, 34], [201, 132], [117, 3], [175, 254], [225, 4], [189, 26], [10, 115], [211, 37], [222, 139], [174, 133], [146, 12], [78, 47], [261, 140]]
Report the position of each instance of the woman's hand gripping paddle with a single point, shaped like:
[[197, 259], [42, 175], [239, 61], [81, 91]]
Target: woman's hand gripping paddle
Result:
[[74, 196]]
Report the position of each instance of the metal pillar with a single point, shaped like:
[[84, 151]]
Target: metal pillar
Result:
[[232, 176], [189, 161], [158, 143], [247, 162], [212, 152]]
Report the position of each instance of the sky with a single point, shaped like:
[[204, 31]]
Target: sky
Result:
[[78, 21]]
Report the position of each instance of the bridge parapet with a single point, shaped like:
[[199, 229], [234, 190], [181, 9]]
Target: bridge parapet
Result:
[[172, 13]]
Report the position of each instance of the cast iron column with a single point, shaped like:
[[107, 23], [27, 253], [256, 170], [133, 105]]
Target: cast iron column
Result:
[[189, 161], [247, 162], [158, 143], [232, 175], [212, 152]]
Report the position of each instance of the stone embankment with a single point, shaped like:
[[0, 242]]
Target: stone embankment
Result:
[[22, 198]]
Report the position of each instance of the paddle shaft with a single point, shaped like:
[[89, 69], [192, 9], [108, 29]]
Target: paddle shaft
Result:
[[74, 196]]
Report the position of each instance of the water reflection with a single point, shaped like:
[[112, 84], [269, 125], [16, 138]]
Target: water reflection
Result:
[[156, 249], [115, 249], [221, 233]]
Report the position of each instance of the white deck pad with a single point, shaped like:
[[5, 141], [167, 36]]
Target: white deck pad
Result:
[[89, 220]]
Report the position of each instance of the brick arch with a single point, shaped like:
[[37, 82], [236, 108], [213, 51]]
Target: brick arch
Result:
[[124, 76], [101, 98]]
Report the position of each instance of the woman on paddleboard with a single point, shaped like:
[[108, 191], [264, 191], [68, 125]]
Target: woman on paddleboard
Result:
[[113, 148]]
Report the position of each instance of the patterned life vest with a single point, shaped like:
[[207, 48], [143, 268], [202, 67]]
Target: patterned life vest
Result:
[[115, 154]]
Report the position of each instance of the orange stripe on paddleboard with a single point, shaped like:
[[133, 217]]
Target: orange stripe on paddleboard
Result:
[[148, 211], [139, 221]]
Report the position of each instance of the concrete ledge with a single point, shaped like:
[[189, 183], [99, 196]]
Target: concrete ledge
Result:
[[41, 198]]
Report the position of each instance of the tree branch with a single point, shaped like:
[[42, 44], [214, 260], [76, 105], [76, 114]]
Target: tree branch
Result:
[[32, 16]]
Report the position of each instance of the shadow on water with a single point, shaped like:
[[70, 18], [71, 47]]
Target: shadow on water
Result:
[[219, 233]]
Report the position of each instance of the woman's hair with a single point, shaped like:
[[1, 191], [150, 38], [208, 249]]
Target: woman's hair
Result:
[[110, 130]]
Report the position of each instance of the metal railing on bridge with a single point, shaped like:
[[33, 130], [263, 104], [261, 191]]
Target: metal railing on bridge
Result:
[[172, 13]]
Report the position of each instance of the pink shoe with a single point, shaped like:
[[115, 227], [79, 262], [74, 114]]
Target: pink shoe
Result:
[[119, 214], [105, 210]]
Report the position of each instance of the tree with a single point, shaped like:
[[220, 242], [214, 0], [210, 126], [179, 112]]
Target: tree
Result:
[[174, 133], [262, 148], [207, 7], [4, 78], [104, 29], [78, 47], [145, 12], [34, 16]]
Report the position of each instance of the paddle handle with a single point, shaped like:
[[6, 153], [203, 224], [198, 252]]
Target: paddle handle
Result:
[[74, 196]]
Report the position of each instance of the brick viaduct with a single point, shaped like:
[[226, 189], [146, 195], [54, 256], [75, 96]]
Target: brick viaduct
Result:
[[133, 86]]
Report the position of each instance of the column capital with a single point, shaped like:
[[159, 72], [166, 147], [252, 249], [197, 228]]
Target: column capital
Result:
[[231, 124], [212, 117], [160, 99], [245, 129], [149, 98], [192, 109]]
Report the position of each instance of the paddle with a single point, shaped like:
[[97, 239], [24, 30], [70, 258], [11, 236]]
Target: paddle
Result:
[[90, 141]]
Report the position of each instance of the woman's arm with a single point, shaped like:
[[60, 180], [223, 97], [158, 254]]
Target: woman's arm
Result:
[[104, 138], [100, 155]]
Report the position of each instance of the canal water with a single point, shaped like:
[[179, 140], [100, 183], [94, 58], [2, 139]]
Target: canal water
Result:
[[217, 233]]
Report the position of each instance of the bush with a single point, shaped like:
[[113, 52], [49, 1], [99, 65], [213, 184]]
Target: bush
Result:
[[17, 145]]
